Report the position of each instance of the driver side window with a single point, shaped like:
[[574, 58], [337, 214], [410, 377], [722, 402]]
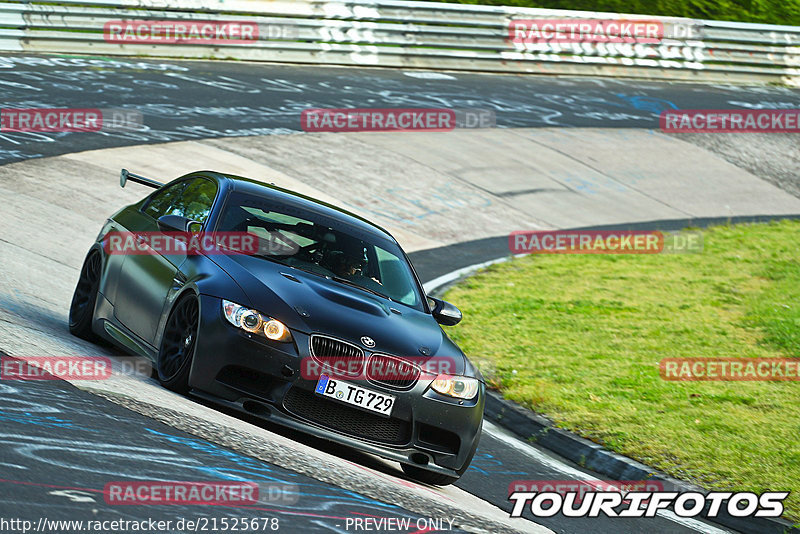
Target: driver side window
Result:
[[162, 201], [190, 198], [196, 201]]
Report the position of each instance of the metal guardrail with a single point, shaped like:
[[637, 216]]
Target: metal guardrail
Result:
[[395, 33]]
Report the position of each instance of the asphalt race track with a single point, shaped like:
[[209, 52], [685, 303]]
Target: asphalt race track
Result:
[[196, 100], [62, 444], [59, 455]]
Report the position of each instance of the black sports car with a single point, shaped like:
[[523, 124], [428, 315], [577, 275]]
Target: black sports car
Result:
[[322, 327]]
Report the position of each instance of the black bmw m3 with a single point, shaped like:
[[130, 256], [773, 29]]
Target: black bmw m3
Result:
[[321, 325]]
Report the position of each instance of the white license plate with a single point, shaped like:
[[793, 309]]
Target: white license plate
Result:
[[355, 395]]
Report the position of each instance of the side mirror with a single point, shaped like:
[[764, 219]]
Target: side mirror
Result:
[[445, 313], [178, 223]]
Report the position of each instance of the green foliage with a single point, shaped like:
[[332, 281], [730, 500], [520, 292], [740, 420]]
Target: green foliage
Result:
[[763, 11], [580, 338]]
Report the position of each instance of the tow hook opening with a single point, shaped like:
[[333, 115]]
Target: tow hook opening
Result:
[[419, 458], [256, 408]]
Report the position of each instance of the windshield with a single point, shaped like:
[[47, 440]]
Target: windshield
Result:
[[322, 245]]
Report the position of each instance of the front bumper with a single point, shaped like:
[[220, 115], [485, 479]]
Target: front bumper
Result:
[[249, 373]]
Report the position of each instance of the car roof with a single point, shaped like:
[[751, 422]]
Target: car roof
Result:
[[272, 191]]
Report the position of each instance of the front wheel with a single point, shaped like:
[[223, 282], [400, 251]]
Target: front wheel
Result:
[[178, 345], [81, 310]]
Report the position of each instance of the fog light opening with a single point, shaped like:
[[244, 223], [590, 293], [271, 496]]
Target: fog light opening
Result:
[[419, 458]]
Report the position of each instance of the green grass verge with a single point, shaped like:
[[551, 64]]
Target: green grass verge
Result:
[[763, 11], [579, 338]]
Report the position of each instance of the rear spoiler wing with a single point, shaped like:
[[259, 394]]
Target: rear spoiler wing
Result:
[[125, 175]]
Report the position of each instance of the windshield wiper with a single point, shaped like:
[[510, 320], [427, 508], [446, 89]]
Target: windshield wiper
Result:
[[353, 284]]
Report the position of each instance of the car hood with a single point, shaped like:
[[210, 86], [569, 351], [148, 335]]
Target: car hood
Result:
[[314, 304]]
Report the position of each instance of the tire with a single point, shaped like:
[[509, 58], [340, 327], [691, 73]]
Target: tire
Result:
[[81, 309], [178, 345], [428, 477]]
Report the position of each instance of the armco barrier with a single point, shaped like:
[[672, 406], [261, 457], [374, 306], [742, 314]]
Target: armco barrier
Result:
[[392, 33]]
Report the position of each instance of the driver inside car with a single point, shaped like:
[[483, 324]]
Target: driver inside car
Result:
[[349, 264], [345, 265]]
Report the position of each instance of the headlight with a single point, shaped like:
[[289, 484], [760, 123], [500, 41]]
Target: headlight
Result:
[[254, 322], [460, 387]]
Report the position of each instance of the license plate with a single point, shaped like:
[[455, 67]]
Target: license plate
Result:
[[355, 395]]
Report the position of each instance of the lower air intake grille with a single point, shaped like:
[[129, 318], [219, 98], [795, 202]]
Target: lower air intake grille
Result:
[[331, 414]]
